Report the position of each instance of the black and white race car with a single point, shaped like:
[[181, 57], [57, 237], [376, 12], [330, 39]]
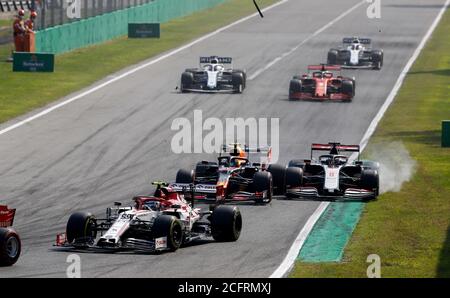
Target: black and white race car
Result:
[[213, 76], [332, 175], [161, 222], [356, 53]]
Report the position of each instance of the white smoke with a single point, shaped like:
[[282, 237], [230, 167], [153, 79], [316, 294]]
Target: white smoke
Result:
[[396, 165]]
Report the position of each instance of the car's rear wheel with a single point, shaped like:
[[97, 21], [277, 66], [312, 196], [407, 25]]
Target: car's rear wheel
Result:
[[10, 246], [262, 182], [332, 58], [185, 176], [294, 178], [170, 227], [299, 163], [226, 223], [278, 176], [370, 181], [81, 227]]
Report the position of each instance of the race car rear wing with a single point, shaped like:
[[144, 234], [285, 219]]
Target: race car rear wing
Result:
[[325, 67], [335, 148], [361, 40], [6, 216], [235, 147], [221, 60]]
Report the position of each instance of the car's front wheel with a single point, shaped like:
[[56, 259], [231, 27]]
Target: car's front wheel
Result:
[[226, 223]]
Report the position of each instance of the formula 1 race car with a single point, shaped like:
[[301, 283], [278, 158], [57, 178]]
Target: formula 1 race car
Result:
[[332, 175], [10, 244], [356, 53], [162, 222], [213, 76], [234, 178], [322, 84]]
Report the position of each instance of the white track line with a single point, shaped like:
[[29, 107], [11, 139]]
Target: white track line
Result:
[[292, 254], [134, 70], [290, 258], [292, 50]]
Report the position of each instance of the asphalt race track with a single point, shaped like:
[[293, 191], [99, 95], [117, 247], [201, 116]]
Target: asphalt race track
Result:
[[109, 145]]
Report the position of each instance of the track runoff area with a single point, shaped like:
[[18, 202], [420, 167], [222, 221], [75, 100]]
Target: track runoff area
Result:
[[297, 43]]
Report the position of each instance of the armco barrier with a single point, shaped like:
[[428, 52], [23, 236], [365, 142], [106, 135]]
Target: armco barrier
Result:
[[63, 38]]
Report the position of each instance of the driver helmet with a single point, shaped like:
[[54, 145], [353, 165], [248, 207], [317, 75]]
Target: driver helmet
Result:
[[218, 67], [161, 192], [152, 205]]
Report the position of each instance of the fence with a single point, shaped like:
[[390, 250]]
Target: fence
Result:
[[9, 6], [104, 27], [58, 12]]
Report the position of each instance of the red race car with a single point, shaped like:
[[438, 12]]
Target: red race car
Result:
[[322, 82], [10, 245]]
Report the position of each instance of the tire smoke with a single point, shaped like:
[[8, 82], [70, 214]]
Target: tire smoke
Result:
[[396, 165]]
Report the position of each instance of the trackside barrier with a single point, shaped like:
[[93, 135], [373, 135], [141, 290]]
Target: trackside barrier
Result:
[[445, 138], [70, 36]]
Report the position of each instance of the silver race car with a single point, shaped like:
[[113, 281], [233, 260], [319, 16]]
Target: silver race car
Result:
[[332, 175], [162, 222], [356, 53], [213, 76]]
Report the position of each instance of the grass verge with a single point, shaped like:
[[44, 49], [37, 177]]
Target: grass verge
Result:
[[23, 92], [409, 229]]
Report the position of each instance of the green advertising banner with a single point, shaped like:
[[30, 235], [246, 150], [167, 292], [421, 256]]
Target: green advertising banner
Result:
[[445, 133], [33, 62], [144, 30]]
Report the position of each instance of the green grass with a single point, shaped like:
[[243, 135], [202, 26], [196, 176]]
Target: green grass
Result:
[[409, 229], [5, 23], [23, 92]]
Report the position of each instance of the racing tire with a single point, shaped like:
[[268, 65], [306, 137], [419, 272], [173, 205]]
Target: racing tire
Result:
[[81, 225], [185, 176], [370, 165], [262, 181], [377, 59], [238, 82], [168, 226], [226, 223], [187, 80], [244, 74], [332, 58], [370, 180], [294, 178], [348, 88], [295, 86], [10, 246], [299, 163], [201, 168], [278, 177]]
